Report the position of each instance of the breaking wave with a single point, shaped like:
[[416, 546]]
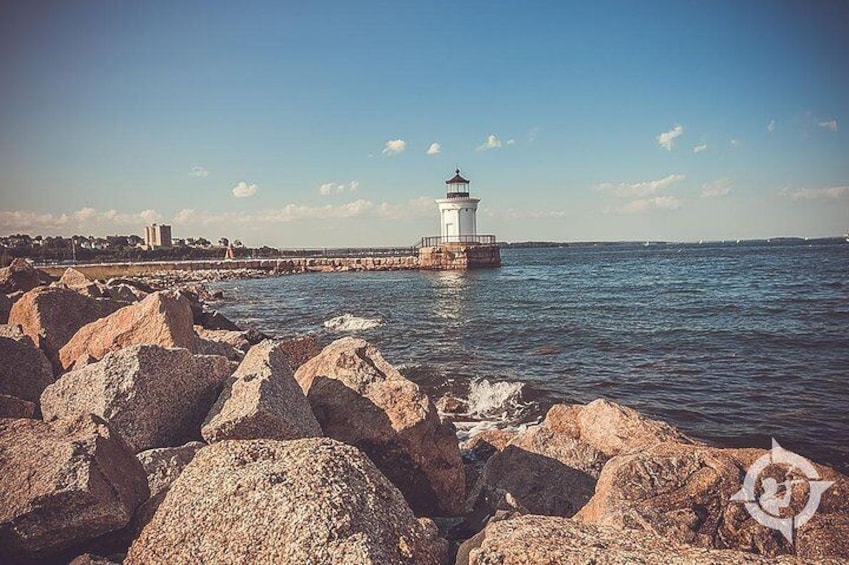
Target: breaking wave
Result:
[[500, 400], [350, 323]]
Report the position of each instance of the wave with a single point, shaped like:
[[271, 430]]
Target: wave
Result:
[[485, 405], [501, 400], [350, 323]]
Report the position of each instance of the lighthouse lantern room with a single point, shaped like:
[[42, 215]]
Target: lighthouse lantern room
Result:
[[458, 212]]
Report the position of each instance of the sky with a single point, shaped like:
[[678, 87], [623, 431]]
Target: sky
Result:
[[310, 124]]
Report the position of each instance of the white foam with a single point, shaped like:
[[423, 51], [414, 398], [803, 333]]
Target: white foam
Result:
[[501, 400], [350, 323]]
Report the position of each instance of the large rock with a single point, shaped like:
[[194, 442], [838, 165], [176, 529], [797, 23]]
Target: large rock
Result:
[[21, 275], [51, 317], [164, 464], [364, 401], [63, 482], [24, 370], [293, 502], [261, 400], [163, 318], [552, 468], [547, 540], [153, 396], [80, 282], [684, 492]]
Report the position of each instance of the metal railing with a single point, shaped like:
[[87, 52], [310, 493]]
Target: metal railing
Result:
[[434, 240]]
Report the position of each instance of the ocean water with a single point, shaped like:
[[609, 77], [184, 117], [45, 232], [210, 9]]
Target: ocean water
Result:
[[732, 343]]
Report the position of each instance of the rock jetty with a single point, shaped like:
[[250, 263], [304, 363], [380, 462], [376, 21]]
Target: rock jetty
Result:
[[138, 426]]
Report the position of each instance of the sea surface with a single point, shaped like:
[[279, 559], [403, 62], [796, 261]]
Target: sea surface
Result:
[[733, 343]]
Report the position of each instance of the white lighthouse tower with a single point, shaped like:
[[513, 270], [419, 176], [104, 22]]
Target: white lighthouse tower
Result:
[[458, 212], [458, 245]]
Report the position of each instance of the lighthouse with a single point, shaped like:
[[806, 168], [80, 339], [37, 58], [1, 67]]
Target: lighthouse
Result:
[[458, 211], [458, 245]]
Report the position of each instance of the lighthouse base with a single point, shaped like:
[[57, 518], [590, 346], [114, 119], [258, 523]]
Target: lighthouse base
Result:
[[459, 256]]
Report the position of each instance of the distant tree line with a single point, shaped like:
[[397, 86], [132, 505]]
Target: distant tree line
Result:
[[117, 248]]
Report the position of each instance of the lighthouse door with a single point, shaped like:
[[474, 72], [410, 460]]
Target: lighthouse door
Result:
[[451, 231]]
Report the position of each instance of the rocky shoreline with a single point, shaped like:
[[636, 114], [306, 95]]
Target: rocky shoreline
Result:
[[137, 426]]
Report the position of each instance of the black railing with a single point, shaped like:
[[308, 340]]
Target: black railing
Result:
[[434, 240]]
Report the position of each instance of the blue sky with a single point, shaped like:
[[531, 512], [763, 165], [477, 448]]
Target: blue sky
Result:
[[310, 124]]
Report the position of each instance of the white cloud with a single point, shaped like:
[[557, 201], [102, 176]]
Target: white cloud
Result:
[[829, 193], [736, 142], [830, 125], [434, 149], [334, 187], [244, 190], [717, 188], [515, 214], [416, 208], [639, 189], [532, 135], [198, 172], [83, 220], [771, 126], [394, 147], [667, 138], [492, 142], [699, 148], [647, 204], [511, 141]]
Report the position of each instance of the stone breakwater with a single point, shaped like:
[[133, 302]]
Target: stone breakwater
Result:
[[142, 431], [445, 257]]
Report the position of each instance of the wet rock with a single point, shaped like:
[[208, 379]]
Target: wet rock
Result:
[[51, 317], [481, 446], [13, 407], [448, 404], [217, 321], [163, 318], [547, 540], [261, 400], [24, 370], [683, 492], [64, 482], [552, 468], [20, 275], [152, 396], [293, 502], [362, 400]]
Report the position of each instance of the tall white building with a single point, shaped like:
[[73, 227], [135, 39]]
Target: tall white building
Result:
[[156, 235], [458, 212]]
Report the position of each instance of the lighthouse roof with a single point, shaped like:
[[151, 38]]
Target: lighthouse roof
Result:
[[457, 179]]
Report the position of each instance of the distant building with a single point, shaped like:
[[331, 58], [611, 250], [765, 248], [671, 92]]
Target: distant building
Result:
[[156, 235]]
